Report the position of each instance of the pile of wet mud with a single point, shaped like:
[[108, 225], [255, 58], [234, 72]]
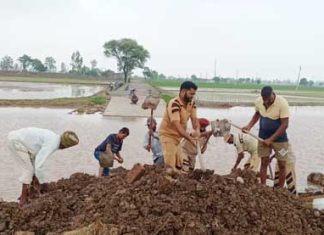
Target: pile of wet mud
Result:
[[197, 203]]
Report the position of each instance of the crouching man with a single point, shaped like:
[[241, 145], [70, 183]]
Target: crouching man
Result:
[[30, 148]]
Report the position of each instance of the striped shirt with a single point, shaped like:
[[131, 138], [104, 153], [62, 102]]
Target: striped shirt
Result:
[[176, 111]]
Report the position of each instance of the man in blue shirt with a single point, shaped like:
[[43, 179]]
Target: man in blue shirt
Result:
[[155, 145], [272, 111], [112, 145]]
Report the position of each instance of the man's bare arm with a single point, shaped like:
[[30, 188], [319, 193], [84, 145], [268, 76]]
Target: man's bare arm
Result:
[[281, 130], [252, 122]]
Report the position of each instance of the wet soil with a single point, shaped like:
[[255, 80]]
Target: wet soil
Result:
[[89, 105], [197, 203]]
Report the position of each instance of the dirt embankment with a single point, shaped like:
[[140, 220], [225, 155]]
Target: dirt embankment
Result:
[[89, 105], [198, 203]]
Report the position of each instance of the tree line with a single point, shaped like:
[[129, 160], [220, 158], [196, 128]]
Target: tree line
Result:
[[127, 52], [150, 74], [26, 63]]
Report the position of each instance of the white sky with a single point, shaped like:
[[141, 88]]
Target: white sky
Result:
[[248, 38]]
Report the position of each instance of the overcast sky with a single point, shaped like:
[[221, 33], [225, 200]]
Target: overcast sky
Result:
[[247, 38]]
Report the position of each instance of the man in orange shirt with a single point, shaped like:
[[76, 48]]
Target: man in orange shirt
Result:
[[174, 124]]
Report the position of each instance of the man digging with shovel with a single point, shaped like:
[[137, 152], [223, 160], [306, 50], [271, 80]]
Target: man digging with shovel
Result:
[[244, 143], [152, 142], [273, 112], [189, 151]]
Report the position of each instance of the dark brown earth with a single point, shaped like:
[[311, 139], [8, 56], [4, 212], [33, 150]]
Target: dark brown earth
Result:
[[198, 203]]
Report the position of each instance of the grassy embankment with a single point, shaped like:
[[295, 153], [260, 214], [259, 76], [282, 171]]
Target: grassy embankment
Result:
[[90, 104]]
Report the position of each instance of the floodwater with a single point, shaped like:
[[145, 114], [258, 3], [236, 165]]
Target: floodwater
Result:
[[305, 132], [25, 90]]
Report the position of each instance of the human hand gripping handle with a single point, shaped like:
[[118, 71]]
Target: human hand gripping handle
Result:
[[246, 129]]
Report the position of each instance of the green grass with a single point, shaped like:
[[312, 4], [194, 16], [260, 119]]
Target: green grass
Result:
[[177, 83], [166, 97], [54, 80], [97, 99]]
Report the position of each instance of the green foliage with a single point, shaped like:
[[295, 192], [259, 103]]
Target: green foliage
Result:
[[233, 85], [25, 61], [94, 64], [76, 62], [166, 97], [6, 63], [305, 82], [38, 66], [63, 68], [129, 55], [97, 99], [50, 64]]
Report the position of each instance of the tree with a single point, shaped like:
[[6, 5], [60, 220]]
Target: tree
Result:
[[50, 64], [162, 76], [76, 62], [16, 67], [63, 68], [217, 79], [25, 61], [38, 66], [154, 75], [303, 82], [128, 53], [193, 77], [147, 73], [94, 64], [6, 63]]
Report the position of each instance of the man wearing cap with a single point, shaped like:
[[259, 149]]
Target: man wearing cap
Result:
[[273, 112], [189, 151], [173, 127], [244, 143], [154, 144], [37, 145]]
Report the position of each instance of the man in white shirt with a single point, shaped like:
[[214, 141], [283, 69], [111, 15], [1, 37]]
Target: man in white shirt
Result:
[[37, 145], [155, 144], [244, 143]]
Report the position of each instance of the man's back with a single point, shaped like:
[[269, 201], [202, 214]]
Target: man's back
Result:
[[34, 138], [244, 142]]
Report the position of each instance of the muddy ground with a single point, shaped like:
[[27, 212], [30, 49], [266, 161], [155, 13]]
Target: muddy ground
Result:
[[89, 105], [198, 203]]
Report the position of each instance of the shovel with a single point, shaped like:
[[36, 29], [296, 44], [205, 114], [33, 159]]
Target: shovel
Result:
[[202, 166], [151, 102]]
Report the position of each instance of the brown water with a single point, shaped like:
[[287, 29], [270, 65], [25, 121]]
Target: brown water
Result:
[[25, 90], [305, 132]]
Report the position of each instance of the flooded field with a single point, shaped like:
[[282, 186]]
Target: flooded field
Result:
[[305, 132], [246, 95], [23, 90]]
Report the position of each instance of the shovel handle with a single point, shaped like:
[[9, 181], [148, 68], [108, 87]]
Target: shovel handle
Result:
[[150, 136], [249, 133], [202, 166]]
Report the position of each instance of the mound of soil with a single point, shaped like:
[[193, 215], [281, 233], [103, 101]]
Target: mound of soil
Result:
[[197, 203]]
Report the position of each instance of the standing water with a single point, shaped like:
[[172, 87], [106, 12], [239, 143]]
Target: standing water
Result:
[[305, 133]]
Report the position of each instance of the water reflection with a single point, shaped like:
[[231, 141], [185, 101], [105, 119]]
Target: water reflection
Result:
[[22, 90], [305, 134]]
